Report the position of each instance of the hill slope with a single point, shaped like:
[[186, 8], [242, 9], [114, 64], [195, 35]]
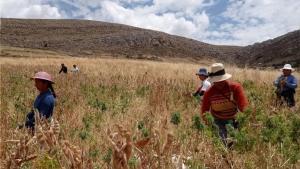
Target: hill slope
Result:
[[275, 52], [93, 38]]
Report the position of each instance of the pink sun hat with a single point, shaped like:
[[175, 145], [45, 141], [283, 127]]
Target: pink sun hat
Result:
[[43, 76]]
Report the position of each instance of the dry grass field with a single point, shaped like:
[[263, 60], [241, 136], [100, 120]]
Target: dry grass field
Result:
[[139, 114]]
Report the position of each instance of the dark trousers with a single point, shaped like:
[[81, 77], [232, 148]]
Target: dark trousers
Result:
[[30, 120], [288, 96], [223, 130]]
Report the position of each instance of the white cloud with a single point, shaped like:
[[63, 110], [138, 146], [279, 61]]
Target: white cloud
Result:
[[27, 9], [246, 21], [168, 16], [259, 20]]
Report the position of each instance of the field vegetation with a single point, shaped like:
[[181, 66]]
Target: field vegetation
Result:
[[119, 113]]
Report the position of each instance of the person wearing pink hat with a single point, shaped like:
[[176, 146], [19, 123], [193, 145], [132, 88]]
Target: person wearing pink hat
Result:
[[286, 85], [45, 101]]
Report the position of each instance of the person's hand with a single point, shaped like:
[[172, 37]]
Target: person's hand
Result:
[[282, 82]]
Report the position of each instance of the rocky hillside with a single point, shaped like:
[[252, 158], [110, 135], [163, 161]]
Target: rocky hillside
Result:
[[275, 52], [93, 39]]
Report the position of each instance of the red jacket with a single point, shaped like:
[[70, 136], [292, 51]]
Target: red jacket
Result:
[[224, 103]]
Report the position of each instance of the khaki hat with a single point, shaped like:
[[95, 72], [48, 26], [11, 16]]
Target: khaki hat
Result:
[[217, 73], [287, 67]]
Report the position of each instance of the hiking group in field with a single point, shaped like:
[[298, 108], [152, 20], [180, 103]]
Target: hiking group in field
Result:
[[222, 98]]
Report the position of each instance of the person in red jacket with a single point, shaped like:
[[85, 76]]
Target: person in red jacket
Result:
[[224, 99]]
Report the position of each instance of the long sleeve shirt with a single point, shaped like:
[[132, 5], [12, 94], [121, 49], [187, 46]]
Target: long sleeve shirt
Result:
[[44, 102], [63, 69], [202, 88], [224, 103], [290, 82]]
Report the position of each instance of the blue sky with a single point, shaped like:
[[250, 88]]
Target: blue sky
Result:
[[225, 22]]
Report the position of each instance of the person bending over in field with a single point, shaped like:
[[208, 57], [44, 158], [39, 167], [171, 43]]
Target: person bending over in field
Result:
[[286, 85], [45, 101], [75, 69], [203, 75], [224, 99], [63, 69]]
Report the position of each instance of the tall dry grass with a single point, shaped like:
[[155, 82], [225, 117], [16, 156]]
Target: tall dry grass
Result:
[[142, 96]]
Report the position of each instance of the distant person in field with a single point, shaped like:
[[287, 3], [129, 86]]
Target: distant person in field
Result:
[[45, 101], [63, 69], [286, 85], [224, 99], [205, 84], [75, 69]]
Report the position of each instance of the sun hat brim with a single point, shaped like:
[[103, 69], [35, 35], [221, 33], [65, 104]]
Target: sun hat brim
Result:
[[213, 79], [292, 69], [203, 74], [32, 78]]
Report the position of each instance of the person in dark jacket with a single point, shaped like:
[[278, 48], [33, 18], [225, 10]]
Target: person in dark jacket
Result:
[[45, 101], [286, 85], [63, 69]]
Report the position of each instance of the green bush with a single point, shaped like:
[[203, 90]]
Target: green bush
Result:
[[141, 125], [100, 105], [145, 132], [133, 163], [46, 162], [275, 130], [295, 130], [175, 118], [197, 124], [107, 156], [84, 134]]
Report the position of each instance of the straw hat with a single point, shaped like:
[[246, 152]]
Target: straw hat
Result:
[[43, 76], [217, 73], [287, 67]]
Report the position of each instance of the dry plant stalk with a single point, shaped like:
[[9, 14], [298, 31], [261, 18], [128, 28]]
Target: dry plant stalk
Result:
[[122, 147], [46, 139], [21, 153], [73, 155]]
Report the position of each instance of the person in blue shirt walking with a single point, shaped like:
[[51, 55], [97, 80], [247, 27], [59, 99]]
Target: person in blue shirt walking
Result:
[[286, 85], [45, 101]]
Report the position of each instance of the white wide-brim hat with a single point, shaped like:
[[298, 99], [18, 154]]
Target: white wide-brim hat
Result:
[[217, 73], [287, 67]]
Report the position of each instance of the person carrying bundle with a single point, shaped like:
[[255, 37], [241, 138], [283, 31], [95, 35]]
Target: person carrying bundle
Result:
[[224, 99], [286, 85]]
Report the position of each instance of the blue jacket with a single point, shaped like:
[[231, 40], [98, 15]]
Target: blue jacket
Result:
[[44, 102], [291, 82]]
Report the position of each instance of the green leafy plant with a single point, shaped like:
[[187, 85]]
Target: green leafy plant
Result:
[[133, 162], [197, 124], [175, 118], [100, 105], [107, 156]]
